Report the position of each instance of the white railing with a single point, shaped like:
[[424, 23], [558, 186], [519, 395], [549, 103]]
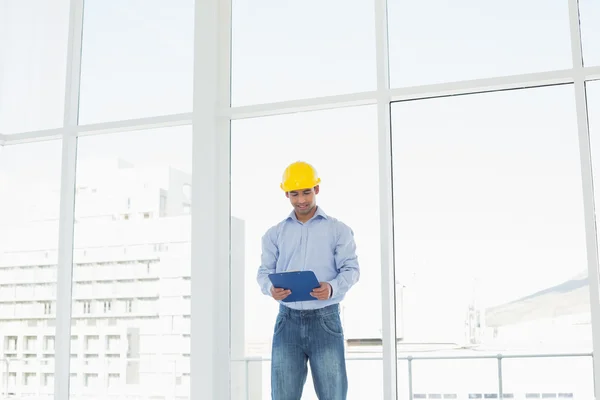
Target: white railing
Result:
[[406, 384], [498, 357], [169, 384]]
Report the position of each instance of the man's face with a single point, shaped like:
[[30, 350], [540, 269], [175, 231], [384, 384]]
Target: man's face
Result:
[[303, 201]]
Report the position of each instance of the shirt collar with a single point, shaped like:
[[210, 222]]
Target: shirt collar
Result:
[[319, 213]]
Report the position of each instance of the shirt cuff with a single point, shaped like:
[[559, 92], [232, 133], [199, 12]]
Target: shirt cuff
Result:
[[268, 288], [334, 288]]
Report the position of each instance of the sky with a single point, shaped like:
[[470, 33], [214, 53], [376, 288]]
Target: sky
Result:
[[487, 188]]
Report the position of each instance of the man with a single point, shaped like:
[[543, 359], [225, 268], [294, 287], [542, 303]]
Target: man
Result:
[[308, 331]]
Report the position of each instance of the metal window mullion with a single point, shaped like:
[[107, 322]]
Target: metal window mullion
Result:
[[67, 206], [303, 105], [590, 224], [388, 280], [223, 198], [591, 73], [130, 125], [587, 186], [64, 273], [210, 203], [483, 85]]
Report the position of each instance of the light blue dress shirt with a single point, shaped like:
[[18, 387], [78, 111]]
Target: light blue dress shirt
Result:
[[323, 244]]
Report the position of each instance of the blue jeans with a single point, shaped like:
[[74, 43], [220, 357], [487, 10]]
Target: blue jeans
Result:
[[314, 336]]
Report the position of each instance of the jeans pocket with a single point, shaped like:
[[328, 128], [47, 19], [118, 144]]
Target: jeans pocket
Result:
[[332, 324], [279, 324]]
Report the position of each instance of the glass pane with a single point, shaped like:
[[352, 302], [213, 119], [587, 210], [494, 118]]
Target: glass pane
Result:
[[441, 41], [332, 141], [403, 379], [137, 59], [131, 267], [489, 230], [589, 15], [548, 378], [33, 57], [455, 379], [290, 50], [28, 262]]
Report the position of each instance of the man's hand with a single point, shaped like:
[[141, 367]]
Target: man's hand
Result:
[[323, 292], [280, 294]]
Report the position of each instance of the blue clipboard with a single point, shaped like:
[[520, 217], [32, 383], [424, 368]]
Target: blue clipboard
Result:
[[301, 283]]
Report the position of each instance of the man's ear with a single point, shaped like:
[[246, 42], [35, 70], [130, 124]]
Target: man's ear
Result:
[[287, 194], [317, 189]]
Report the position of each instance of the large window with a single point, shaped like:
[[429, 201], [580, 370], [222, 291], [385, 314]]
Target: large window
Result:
[[137, 59], [465, 184], [28, 265], [441, 41], [33, 60], [490, 239], [288, 50], [131, 265], [342, 145]]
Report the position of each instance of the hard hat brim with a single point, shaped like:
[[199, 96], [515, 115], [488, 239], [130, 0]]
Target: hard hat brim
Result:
[[291, 188]]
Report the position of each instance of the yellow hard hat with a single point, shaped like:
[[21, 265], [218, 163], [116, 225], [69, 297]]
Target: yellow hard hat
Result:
[[299, 175]]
